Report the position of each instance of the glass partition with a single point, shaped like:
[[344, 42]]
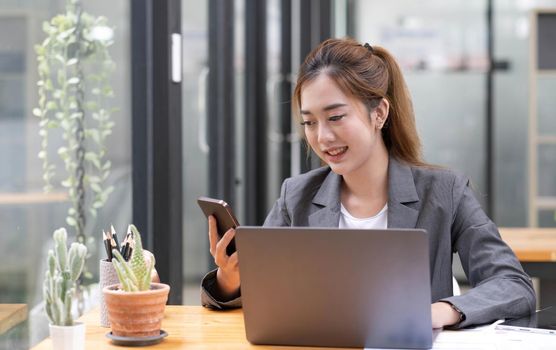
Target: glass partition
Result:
[[28, 214], [195, 143], [438, 45]]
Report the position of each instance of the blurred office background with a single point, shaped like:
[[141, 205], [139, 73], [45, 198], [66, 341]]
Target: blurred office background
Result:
[[212, 117]]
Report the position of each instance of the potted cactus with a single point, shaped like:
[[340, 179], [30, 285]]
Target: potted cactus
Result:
[[64, 268], [135, 305]]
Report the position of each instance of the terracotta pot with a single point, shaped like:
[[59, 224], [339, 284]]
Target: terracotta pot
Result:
[[136, 314]]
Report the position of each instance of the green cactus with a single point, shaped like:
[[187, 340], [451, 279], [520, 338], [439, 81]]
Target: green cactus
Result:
[[134, 275], [64, 268]]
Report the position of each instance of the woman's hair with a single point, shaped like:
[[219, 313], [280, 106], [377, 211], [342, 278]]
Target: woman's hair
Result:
[[368, 74]]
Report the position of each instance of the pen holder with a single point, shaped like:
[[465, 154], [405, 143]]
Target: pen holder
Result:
[[107, 276]]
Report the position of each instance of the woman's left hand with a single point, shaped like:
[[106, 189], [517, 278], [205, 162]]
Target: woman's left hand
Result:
[[443, 314]]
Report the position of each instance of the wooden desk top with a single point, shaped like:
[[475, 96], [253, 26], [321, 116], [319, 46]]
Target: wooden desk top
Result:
[[25, 198], [11, 315], [188, 327], [194, 327], [531, 244]]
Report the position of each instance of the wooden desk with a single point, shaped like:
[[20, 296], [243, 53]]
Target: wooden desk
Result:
[[531, 244], [188, 327], [536, 250], [194, 327], [26, 198], [11, 315]]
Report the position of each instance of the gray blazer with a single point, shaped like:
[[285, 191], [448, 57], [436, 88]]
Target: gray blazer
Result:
[[437, 200]]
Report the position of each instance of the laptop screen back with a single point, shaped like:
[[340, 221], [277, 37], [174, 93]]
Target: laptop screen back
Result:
[[335, 287]]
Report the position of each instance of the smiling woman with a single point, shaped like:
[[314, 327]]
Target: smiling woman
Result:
[[357, 115], [346, 110], [340, 129]]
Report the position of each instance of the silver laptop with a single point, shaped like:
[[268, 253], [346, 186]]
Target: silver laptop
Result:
[[335, 287]]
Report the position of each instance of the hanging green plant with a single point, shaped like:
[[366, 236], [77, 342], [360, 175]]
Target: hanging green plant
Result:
[[74, 67]]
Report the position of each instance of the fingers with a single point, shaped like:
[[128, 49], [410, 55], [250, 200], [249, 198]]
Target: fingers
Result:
[[218, 246], [213, 234], [221, 258], [227, 238], [233, 260]]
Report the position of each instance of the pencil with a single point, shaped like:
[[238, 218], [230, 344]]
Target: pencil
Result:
[[107, 245], [115, 237], [123, 246], [113, 244], [131, 243], [128, 244], [130, 248]]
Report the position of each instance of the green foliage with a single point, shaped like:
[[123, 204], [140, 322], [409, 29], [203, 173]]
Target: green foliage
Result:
[[64, 268], [134, 275], [74, 68]]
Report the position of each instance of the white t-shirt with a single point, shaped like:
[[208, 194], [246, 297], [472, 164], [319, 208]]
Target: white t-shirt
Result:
[[379, 221]]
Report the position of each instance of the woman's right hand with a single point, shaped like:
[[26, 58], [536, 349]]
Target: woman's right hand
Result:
[[227, 275]]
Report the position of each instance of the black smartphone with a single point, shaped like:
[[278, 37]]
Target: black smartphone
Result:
[[225, 218]]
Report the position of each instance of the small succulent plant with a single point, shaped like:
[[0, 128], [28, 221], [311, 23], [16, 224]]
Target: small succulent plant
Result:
[[64, 268], [135, 274]]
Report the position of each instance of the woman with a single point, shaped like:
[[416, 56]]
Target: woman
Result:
[[357, 116]]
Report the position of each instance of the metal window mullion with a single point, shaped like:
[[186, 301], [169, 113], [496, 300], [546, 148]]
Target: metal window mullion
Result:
[[286, 88], [314, 27], [220, 100], [156, 140], [255, 112], [489, 117]]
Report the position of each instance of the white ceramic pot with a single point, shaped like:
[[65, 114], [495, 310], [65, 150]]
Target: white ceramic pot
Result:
[[68, 337]]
